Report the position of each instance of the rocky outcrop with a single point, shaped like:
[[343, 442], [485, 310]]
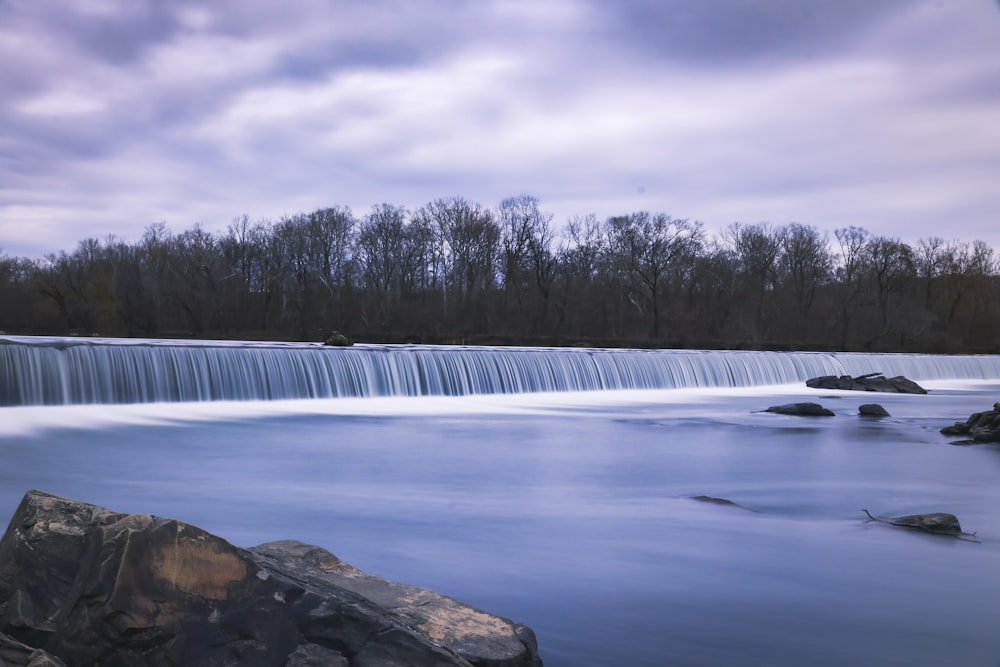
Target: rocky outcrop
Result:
[[96, 587], [869, 382], [872, 410], [801, 410], [980, 427]]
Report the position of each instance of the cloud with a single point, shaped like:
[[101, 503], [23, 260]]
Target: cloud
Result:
[[117, 115], [740, 34]]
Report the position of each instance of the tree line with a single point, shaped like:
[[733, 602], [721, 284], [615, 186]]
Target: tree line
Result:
[[454, 271]]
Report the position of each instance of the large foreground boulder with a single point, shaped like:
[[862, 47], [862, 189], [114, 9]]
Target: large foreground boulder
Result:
[[980, 427], [15, 654], [90, 586], [869, 382]]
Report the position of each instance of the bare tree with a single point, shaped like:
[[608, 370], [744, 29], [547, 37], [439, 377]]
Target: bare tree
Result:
[[806, 264], [330, 237], [646, 246], [756, 250], [528, 259], [579, 304], [195, 265], [889, 261], [469, 238], [380, 248], [850, 276]]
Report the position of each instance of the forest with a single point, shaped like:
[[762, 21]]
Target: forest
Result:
[[457, 272]]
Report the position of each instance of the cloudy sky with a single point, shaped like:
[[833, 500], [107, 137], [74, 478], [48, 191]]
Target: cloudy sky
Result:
[[116, 114]]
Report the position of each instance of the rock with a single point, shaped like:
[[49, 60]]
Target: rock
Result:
[[338, 339], [720, 501], [711, 499], [15, 654], [872, 410], [801, 410], [939, 523], [473, 634], [314, 655], [869, 382], [714, 501], [94, 586], [980, 426]]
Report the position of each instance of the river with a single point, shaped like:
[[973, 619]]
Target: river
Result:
[[572, 512]]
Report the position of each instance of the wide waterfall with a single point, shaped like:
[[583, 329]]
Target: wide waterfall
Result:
[[61, 371]]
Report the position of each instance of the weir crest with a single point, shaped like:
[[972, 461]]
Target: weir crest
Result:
[[64, 371]]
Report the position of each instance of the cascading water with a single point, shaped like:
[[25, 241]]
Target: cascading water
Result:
[[61, 371]]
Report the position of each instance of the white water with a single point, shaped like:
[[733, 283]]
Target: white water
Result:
[[68, 371]]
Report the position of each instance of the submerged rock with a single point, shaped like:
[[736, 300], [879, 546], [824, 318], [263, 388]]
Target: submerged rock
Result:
[[939, 523], [714, 501], [980, 427], [872, 410], [801, 410], [93, 586], [869, 382]]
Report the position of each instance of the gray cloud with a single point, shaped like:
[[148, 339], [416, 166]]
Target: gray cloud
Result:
[[742, 33], [126, 113]]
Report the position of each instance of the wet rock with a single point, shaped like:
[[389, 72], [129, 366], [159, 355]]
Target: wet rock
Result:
[[872, 410], [724, 502], [939, 523], [980, 427], [714, 501], [15, 654], [869, 382], [337, 339], [801, 410], [93, 586], [314, 655]]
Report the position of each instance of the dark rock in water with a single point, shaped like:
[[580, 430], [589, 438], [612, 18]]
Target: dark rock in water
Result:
[[872, 410], [869, 382], [716, 501], [337, 339], [97, 587], [981, 427], [939, 523], [801, 410]]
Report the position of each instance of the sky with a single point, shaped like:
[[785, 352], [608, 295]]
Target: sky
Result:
[[117, 114]]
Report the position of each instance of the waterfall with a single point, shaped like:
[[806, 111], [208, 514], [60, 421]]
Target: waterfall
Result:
[[61, 371]]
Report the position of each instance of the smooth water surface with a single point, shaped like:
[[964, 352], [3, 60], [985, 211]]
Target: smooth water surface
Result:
[[572, 512]]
